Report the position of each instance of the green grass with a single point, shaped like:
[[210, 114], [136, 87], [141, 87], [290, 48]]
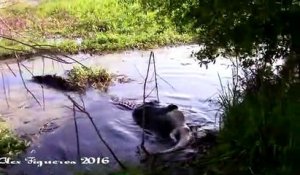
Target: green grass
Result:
[[103, 25], [261, 130], [10, 145], [81, 78]]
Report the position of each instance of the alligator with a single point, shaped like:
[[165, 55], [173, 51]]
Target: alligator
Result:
[[167, 122]]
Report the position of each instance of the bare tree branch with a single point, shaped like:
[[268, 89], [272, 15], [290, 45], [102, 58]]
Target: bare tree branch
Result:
[[144, 100], [166, 81], [24, 84], [26, 68], [52, 52], [156, 86], [43, 94], [82, 101], [77, 134], [11, 70], [97, 130], [4, 89], [150, 92], [139, 72], [15, 40], [13, 49]]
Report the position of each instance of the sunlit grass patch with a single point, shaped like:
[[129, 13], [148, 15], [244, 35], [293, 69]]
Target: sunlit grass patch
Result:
[[10, 144], [83, 77], [102, 25]]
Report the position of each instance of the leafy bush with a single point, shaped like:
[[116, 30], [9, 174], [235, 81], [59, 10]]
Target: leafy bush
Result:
[[260, 128], [10, 145], [83, 77]]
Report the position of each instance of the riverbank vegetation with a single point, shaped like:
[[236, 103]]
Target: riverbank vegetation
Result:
[[10, 145], [87, 26], [260, 124], [259, 132], [79, 78], [83, 77]]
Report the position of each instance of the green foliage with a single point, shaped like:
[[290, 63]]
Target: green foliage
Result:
[[83, 77], [10, 145], [8, 47], [260, 128], [112, 42], [103, 25], [68, 46], [267, 30], [177, 11]]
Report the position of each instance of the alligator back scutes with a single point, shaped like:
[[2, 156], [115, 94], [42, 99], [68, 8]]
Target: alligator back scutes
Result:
[[123, 103]]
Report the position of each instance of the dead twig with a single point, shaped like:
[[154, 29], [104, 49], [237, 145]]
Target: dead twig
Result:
[[150, 92], [23, 81], [144, 100], [52, 51], [32, 67], [43, 94], [4, 89], [82, 101], [26, 68], [11, 70], [97, 131], [166, 81], [77, 134], [156, 86], [8, 89], [139, 72]]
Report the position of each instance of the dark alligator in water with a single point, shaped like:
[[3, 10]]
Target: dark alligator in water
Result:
[[167, 122], [55, 82]]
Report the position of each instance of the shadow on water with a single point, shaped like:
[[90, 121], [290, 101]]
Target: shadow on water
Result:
[[183, 83]]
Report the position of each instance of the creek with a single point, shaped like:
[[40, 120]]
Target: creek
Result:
[[181, 81]]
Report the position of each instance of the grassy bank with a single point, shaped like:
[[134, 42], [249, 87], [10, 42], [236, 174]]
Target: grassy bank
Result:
[[10, 145], [261, 126], [87, 25]]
